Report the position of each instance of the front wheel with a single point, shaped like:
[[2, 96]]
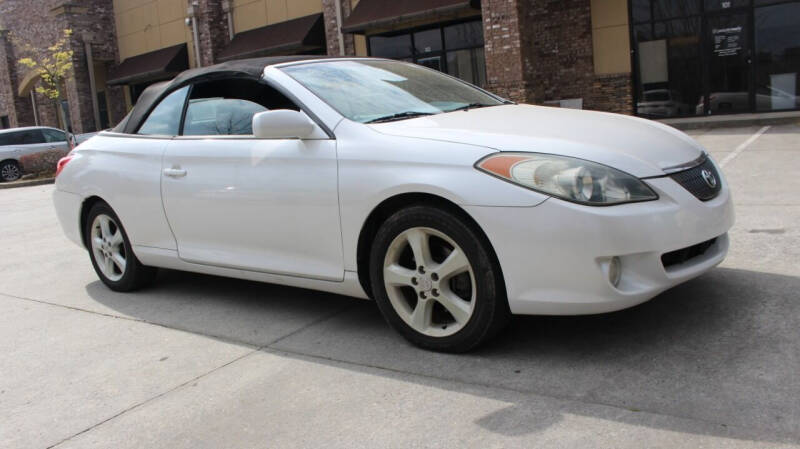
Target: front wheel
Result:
[[111, 253], [435, 281]]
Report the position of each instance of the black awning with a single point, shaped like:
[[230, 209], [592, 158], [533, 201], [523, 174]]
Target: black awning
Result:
[[385, 13], [304, 34], [156, 65]]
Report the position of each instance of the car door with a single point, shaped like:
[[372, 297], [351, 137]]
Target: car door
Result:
[[232, 200], [31, 141]]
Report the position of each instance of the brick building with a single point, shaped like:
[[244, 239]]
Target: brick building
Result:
[[657, 58]]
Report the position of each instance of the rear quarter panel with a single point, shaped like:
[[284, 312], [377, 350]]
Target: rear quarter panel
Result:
[[125, 172]]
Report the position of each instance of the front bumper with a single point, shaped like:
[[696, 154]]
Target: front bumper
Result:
[[555, 256]]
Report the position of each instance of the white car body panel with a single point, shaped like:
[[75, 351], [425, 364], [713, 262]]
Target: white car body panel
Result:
[[291, 211], [282, 194], [125, 171], [637, 146], [374, 167], [554, 256]]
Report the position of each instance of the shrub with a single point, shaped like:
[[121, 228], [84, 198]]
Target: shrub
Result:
[[41, 164]]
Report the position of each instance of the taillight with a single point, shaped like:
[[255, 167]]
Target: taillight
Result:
[[62, 163]]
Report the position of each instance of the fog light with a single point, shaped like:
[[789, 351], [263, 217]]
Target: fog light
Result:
[[614, 271]]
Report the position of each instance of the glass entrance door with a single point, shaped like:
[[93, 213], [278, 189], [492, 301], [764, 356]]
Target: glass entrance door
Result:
[[729, 72], [777, 50]]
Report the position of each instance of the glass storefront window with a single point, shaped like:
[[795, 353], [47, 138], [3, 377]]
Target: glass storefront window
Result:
[[728, 63], [395, 47], [640, 10], [721, 5], [456, 49], [464, 35], [667, 9], [669, 68], [778, 57], [697, 57], [468, 64], [431, 62], [428, 41]]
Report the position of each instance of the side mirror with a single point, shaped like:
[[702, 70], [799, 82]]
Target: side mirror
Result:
[[282, 124]]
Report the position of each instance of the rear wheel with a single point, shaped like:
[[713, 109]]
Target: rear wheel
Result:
[[435, 282], [10, 171], [111, 253]]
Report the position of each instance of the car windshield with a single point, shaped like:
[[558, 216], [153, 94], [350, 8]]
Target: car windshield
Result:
[[369, 91]]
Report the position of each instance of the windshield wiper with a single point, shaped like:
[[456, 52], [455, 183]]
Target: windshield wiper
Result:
[[467, 107], [399, 116]]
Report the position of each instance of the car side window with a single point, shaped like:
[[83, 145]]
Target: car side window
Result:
[[220, 116], [31, 137], [226, 107], [54, 136], [165, 118]]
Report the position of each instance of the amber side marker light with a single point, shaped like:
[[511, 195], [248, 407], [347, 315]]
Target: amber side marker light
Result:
[[500, 165]]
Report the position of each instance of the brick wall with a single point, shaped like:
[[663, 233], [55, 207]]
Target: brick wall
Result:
[[212, 30], [501, 32], [11, 105], [36, 28], [40, 23], [558, 48], [91, 21], [612, 93], [332, 29], [541, 51], [46, 108]]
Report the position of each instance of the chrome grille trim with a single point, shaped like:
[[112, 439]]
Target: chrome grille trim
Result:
[[686, 165], [693, 180]]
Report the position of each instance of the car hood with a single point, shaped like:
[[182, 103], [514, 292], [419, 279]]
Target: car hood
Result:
[[637, 146]]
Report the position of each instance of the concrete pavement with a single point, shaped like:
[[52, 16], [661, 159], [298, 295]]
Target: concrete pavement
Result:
[[200, 361]]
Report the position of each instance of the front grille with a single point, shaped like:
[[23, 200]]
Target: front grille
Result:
[[680, 256], [703, 187]]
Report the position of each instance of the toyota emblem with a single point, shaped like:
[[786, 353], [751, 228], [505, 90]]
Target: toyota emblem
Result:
[[709, 178]]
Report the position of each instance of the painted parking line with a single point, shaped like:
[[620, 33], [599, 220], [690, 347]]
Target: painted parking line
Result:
[[743, 146]]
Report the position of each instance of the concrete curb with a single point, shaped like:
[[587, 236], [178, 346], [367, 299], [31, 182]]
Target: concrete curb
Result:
[[734, 120], [35, 182]]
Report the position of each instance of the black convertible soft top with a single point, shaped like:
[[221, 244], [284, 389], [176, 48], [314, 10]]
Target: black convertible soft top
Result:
[[243, 68]]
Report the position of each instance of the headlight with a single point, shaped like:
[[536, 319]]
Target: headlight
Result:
[[567, 178]]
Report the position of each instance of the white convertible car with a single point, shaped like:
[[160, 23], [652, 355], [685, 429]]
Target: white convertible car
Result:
[[450, 206]]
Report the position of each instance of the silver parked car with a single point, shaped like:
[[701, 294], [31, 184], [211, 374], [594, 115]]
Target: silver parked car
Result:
[[18, 142]]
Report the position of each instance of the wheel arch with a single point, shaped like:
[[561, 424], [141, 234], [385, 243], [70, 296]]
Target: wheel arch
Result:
[[86, 206], [395, 203]]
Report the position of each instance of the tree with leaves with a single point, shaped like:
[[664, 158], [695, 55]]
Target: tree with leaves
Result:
[[53, 65]]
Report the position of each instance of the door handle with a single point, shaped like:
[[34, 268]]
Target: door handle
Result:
[[174, 172]]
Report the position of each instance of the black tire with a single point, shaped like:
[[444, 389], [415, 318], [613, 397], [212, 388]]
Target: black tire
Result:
[[10, 171], [135, 275], [490, 311]]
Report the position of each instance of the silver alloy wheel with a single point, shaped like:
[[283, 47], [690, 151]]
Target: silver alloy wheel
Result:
[[419, 276], [108, 247], [10, 172]]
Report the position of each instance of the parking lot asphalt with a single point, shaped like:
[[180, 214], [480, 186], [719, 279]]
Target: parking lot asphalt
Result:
[[204, 362]]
